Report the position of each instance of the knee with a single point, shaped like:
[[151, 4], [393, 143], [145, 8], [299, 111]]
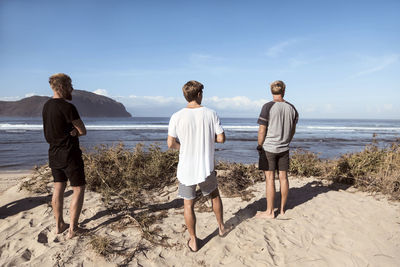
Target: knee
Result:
[[79, 189], [214, 194], [188, 204]]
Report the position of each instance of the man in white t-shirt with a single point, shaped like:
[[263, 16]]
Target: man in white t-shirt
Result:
[[197, 128]]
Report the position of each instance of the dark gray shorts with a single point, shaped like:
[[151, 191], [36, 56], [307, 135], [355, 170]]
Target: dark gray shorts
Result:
[[75, 173], [188, 192], [274, 161]]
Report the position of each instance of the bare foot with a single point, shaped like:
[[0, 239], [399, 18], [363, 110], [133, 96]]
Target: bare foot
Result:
[[265, 215], [75, 232], [282, 213], [192, 244], [60, 228], [223, 231]]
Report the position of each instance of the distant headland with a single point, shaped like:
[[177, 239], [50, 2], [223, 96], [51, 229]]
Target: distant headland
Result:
[[88, 104]]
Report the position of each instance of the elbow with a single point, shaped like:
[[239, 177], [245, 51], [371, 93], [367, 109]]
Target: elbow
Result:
[[82, 131], [170, 144], [221, 138]]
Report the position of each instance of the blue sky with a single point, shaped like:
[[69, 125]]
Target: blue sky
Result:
[[339, 59]]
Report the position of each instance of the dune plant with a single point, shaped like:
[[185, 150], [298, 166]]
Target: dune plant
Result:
[[373, 169], [305, 163], [235, 178], [128, 176]]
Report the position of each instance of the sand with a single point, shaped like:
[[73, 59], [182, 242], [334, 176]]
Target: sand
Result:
[[325, 225]]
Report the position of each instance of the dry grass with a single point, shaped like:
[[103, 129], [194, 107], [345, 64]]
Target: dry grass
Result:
[[108, 248], [39, 181], [128, 179], [235, 178], [101, 245], [305, 163], [373, 170]]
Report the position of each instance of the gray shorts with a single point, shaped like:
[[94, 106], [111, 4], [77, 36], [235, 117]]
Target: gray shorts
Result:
[[188, 192], [274, 161]]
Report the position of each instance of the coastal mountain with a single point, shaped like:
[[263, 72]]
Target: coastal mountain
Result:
[[87, 103]]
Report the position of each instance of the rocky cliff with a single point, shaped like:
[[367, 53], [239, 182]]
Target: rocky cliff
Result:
[[87, 103]]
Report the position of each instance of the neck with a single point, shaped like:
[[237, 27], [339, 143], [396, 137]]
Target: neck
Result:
[[193, 104], [56, 95], [278, 98]]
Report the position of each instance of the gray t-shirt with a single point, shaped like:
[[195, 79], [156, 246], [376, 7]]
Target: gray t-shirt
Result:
[[280, 119]]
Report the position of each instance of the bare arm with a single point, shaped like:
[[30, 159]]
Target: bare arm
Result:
[[262, 132], [79, 128], [292, 133], [220, 138], [172, 143]]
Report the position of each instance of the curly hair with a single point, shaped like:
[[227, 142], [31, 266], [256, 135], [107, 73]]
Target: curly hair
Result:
[[60, 83]]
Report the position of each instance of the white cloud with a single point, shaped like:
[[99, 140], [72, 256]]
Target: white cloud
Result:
[[165, 106], [236, 103], [10, 98], [388, 107], [329, 107], [277, 49], [378, 64], [101, 92], [29, 94], [152, 100]]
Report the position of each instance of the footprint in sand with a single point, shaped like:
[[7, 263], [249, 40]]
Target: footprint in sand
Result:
[[43, 236], [26, 255]]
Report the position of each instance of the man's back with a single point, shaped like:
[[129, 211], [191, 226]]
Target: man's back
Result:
[[280, 118], [58, 115], [196, 129]]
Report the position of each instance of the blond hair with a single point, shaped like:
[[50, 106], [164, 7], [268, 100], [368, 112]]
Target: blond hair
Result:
[[60, 83], [191, 90], [278, 88]]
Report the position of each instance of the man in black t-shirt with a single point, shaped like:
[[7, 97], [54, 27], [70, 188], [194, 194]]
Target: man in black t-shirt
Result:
[[62, 125]]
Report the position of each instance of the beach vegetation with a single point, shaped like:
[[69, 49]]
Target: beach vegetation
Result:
[[234, 179], [128, 177], [129, 181], [374, 169], [40, 182], [305, 163]]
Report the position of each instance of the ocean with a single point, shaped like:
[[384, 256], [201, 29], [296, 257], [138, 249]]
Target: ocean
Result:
[[22, 144]]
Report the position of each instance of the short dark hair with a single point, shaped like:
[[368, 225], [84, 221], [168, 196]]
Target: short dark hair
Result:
[[278, 88], [191, 90]]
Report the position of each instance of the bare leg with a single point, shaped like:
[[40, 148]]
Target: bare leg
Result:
[[75, 209], [218, 210], [284, 184], [270, 191], [57, 203], [190, 220]]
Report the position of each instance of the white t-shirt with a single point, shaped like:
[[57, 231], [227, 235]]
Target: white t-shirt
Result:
[[196, 129]]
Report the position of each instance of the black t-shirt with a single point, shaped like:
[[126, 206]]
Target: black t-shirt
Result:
[[64, 150]]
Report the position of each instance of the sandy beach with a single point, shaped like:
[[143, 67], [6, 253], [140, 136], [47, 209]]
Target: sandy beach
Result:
[[325, 225]]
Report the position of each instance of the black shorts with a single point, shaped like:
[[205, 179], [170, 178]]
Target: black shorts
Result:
[[273, 161], [75, 173]]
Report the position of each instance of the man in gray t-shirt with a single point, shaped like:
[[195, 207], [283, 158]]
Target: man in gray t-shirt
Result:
[[277, 122]]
